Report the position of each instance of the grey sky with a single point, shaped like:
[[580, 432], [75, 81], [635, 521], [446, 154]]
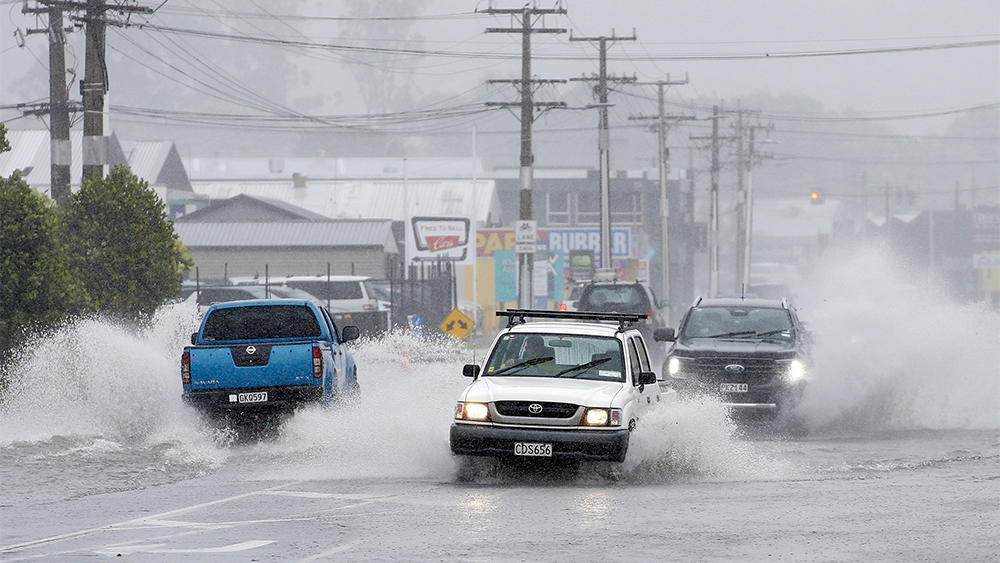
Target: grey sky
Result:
[[880, 84]]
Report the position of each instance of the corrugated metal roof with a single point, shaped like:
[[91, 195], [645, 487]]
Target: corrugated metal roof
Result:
[[146, 158], [247, 208], [321, 168], [286, 234], [30, 147], [357, 199]]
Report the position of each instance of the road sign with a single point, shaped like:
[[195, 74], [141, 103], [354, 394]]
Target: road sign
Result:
[[457, 324], [526, 231], [525, 247]]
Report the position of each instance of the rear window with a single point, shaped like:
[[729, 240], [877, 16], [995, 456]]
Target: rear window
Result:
[[223, 294], [261, 322], [622, 298], [332, 290]]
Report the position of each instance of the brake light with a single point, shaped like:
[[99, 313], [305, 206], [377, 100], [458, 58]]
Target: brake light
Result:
[[186, 368], [317, 361], [368, 307], [649, 314], [562, 306]]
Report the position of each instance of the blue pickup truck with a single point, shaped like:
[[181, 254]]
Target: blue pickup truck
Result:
[[262, 358]]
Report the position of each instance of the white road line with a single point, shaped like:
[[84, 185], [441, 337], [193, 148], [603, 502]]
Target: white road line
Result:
[[158, 548], [152, 517], [339, 549]]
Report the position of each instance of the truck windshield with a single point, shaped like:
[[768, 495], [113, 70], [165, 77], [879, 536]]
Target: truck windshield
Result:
[[738, 322], [551, 355], [261, 322]]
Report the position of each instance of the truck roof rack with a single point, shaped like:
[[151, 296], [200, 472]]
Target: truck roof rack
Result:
[[517, 316]]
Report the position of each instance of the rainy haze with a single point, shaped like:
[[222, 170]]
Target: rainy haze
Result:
[[371, 156]]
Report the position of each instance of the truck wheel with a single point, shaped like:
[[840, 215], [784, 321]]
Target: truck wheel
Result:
[[355, 388]]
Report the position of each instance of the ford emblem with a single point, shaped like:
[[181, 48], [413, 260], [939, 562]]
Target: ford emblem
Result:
[[253, 349], [534, 408], [735, 369]]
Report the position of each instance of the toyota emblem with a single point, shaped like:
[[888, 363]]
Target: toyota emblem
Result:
[[735, 369], [253, 349], [534, 408]]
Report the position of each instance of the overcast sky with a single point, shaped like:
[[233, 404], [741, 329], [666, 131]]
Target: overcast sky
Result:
[[879, 84]]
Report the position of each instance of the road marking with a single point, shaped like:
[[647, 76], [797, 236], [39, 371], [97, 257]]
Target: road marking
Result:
[[158, 548], [339, 549], [144, 519]]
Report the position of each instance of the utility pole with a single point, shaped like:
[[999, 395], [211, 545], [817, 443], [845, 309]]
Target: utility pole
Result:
[[713, 234], [744, 207], [95, 86], [662, 128], [747, 234], [604, 139], [528, 16], [60, 150], [713, 226]]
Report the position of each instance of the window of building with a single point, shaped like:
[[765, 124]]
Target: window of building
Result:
[[557, 208], [588, 209]]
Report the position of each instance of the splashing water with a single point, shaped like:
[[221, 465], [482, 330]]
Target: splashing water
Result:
[[892, 354], [96, 393], [95, 377]]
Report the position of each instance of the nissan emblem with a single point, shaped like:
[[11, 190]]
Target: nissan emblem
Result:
[[253, 349]]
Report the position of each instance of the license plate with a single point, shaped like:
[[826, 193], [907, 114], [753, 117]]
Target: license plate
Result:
[[258, 397], [733, 387], [532, 449]]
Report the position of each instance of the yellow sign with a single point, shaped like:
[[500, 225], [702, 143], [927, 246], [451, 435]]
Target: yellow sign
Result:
[[457, 324]]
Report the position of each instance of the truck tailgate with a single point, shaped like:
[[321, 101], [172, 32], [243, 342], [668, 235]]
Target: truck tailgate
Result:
[[252, 365]]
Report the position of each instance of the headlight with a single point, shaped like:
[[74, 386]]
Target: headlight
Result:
[[602, 417], [474, 411], [674, 367], [796, 370]]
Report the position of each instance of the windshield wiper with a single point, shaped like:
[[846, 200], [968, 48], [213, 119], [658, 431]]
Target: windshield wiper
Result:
[[525, 363], [772, 332], [731, 334], [587, 365]]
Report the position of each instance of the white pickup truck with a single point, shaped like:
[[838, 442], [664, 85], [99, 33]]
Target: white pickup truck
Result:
[[567, 385]]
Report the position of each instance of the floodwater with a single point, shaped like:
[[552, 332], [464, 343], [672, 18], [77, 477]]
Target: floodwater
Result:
[[900, 460]]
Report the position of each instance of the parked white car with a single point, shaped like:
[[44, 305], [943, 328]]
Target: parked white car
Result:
[[569, 385]]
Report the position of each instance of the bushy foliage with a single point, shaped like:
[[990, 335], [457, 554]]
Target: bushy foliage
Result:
[[37, 289], [123, 246]]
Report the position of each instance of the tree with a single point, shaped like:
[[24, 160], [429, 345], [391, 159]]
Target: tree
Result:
[[123, 246], [37, 289]]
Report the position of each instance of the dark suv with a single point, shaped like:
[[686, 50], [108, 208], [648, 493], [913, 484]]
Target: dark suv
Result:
[[626, 297], [751, 353]]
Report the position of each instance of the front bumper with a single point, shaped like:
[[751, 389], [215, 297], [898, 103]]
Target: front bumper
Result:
[[279, 399], [481, 440], [765, 399]]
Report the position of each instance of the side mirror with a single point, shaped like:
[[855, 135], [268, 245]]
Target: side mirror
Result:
[[647, 378], [470, 370], [194, 338], [349, 333], [664, 335]]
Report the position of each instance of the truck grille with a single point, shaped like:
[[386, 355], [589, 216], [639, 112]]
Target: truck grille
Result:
[[523, 408], [757, 371]]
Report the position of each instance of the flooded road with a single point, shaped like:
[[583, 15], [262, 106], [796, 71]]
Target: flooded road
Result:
[[901, 461]]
